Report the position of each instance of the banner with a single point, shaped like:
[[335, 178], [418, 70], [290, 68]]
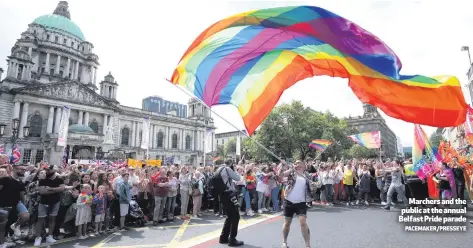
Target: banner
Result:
[[145, 134], [139, 163], [238, 145], [400, 149], [208, 140], [64, 126]]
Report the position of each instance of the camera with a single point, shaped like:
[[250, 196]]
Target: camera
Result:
[[234, 198]]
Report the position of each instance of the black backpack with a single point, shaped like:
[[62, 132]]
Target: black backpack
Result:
[[217, 183]]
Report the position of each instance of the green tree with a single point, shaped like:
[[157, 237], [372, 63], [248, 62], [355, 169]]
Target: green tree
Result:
[[221, 152], [357, 151], [289, 128], [230, 146], [435, 139]]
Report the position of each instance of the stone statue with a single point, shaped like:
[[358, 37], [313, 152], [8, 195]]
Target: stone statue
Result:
[[109, 135]]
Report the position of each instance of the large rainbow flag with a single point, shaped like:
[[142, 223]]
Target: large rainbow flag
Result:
[[320, 144], [370, 140], [249, 59]]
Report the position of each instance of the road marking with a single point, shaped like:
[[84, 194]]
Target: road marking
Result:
[[139, 246], [179, 234], [57, 242], [215, 234], [106, 240]]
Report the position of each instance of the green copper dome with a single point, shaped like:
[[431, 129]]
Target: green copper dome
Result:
[[61, 24], [79, 128]]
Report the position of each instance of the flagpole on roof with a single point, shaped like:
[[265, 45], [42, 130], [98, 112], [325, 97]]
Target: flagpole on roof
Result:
[[228, 122]]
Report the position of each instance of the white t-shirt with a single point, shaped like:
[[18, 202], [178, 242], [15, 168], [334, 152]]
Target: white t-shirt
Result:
[[297, 194]]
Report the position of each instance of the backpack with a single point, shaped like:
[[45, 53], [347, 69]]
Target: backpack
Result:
[[195, 191], [218, 185]]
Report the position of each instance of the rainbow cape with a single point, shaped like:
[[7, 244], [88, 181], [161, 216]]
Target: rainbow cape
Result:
[[371, 140], [249, 59], [320, 144]]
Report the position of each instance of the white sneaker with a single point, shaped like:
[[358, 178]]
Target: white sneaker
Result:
[[50, 239], [250, 213], [16, 230], [37, 241], [83, 237], [348, 204], [384, 203], [367, 203], [357, 202], [260, 211]]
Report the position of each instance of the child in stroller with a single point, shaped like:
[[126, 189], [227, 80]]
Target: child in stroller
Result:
[[135, 215]]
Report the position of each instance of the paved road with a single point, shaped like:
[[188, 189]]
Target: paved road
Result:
[[333, 227]]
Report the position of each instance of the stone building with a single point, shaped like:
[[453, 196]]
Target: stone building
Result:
[[52, 65], [373, 121], [159, 105]]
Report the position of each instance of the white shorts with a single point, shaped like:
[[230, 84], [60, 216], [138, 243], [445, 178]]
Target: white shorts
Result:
[[124, 209], [99, 218]]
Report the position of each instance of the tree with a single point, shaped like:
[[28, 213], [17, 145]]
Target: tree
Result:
[[230, 146], [289, 128], [435, 139], [357, 151], [221, 152]]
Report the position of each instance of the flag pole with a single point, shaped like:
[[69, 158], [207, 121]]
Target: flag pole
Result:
[[229, 123]]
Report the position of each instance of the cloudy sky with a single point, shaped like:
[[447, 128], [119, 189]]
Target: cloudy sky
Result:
[[141, 42]]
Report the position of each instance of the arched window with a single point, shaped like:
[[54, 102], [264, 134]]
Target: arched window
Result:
[[36, 123], [188, 142], [174, 141], [125, 136], [94, 126], [160, 138]]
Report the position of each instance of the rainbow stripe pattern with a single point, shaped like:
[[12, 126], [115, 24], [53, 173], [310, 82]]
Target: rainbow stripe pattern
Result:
[[320, 144], [371, 140], [423, 163], [249, 59]]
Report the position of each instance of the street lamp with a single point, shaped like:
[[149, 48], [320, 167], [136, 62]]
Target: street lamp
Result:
[[467, 49], [15, 132]]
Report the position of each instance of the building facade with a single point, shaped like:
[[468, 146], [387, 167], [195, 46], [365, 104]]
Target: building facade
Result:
[[52, 66], [373, 121]]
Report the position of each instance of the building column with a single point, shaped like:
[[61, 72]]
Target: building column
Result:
[[137, 136], [86, 118], [24, 119], [58, 119], [58, 65], [10, 67], [95, 75], [46, 66], [168, 137], [68, 67], [30, 51], [155, 141], [50, 120], [36, 66], [79, 119], [105, 120], [133, 133], [76, 73], [23, 73], [150, 134]]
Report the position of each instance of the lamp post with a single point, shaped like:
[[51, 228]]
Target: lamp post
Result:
[[467, 49], [15, 132]]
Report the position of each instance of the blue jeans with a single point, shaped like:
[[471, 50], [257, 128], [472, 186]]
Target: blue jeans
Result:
[[275, 197], [246, 197]]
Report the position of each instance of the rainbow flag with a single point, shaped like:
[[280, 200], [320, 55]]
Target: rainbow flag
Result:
[[468, 126], [424, 165], [320, 144], [215, 159], [249, 59], [370, 140]]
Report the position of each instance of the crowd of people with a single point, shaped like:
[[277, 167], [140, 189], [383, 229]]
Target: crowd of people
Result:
[[44, 203]]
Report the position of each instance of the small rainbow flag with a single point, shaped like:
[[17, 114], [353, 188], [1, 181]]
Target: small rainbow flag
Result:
[[320, 144], [215, 159], [370, 140]]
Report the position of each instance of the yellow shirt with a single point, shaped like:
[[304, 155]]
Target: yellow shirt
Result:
[[348, 177]]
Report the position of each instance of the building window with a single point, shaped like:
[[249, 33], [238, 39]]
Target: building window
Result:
[[26, 156], [48, 37], [174, 141], [188, 142], [56, 39], [39, 156], [72, 44], [94, 126], [65, 41], [36, 123], [160, 139], [125, 136]]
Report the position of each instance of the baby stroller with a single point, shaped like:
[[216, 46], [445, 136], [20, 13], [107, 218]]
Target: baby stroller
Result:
[[135, 215]]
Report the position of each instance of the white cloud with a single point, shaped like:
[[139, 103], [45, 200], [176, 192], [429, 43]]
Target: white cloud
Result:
[[140, 42]]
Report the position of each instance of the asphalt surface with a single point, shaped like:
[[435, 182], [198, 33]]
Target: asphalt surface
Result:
[[331, 227]]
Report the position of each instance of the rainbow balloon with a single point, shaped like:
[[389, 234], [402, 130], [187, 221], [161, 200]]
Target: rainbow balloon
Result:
[[249, 59]]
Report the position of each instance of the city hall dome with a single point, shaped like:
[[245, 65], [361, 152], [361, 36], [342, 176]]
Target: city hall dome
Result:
[[79, 128], [60, 21]]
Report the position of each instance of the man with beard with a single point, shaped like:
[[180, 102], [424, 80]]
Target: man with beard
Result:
[[50, 190], [23, 214], [11, 192]]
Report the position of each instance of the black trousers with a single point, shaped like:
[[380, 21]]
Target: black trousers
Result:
[[461, 191], [230, 227]]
